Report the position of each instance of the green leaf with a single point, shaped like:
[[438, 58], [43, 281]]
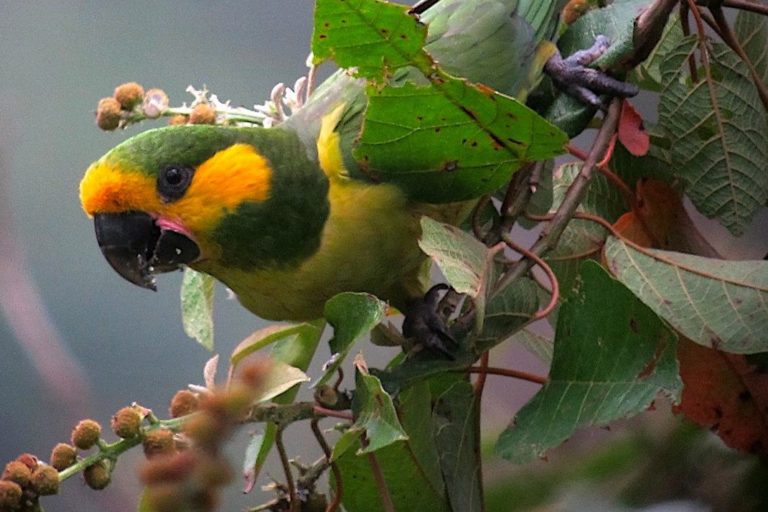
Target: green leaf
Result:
[[252, 451], [648, 72], [716, 303], [536, 344], [752, 32], [718, 132], [452, 142], [272, 334], [406, 482], [612, 356], [373, 36], [454, 417], [443, 142], [352, 315], [506, 313], [280, 379], [197, 306], [464, 261], [374, 412]]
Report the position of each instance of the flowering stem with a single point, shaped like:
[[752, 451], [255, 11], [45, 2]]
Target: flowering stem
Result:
[[113, 450]]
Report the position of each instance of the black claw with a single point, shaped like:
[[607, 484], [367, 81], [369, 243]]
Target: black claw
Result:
[[426, 326], [574, 78]]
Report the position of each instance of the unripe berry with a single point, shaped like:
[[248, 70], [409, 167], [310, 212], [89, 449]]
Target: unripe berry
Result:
[[28, 460], [10, 495], [97, 476], [108, 114], [183, 402], [63, 455], [126, 423], [86, 434], [158, 442], [203, 113], [178, 120], [45, 480], [17, 471], [129, 95]]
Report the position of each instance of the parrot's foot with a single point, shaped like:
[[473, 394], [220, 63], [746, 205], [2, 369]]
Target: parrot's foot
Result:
[[425, 323], [585, 84]]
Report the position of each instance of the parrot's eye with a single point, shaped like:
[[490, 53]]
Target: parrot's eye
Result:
[[173, 182]]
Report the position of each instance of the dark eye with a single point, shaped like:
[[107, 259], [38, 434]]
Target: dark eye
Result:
[[173, 182]]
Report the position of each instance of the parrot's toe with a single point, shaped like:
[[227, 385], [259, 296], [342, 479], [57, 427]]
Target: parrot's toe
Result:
[[425, 323], [572, 76]]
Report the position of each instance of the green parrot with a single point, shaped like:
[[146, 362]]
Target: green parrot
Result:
[[283, 216]]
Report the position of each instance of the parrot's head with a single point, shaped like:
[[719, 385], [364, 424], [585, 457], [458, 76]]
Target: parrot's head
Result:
[[205, 196]]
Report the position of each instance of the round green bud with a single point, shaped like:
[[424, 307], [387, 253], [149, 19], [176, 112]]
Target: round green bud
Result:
[[63, 455], [10, 495], [98, 475], [126, 423], [86, 434], [45, 480]]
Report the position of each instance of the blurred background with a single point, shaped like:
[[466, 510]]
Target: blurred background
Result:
[[76, 340]]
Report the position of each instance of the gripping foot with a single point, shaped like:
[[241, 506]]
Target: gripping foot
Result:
[[572, 76], [425, 323]]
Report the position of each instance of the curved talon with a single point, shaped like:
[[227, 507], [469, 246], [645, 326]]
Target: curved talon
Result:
[[574, 78], [426, 325]]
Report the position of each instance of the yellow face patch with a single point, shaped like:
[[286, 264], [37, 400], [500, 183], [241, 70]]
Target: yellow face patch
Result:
[[229, 178]]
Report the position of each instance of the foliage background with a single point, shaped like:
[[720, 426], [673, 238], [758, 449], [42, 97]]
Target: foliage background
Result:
[[56, 60]]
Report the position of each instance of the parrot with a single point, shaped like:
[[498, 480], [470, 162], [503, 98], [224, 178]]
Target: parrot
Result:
[[283, 216]]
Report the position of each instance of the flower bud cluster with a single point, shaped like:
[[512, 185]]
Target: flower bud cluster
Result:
[[23, 481], [189, 479], [129, 103]]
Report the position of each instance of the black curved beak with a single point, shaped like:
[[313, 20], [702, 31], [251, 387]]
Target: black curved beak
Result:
[[137, 248]]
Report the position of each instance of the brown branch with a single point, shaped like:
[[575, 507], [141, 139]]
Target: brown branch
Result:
[[344, 415], [732, 41], [292, 496], [609, 174], [648, 29], [555, 286], [508, 372], [745, 5], [552, 231], [339, 492], [378, 476]]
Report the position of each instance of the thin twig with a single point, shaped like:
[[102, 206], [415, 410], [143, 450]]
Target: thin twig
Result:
[[378, 476], [292, 496], [731, 40], [574, 195], [480, 382], [422, 6], [339, 491], [745, 5], [344, 415], [555, 286], [606, 171], [508, 372], [686, 32]]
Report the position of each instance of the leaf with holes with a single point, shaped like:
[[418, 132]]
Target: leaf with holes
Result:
[[716, 303], [612, 356], [718, 131]]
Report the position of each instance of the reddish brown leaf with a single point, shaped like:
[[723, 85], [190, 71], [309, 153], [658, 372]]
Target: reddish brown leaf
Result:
[[723, 392], [632, 134]]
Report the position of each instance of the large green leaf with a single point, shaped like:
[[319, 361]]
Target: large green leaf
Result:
[[197, 291], [716, 303], [752, 32], [507, 312], [718, 131], [445, 141], [454, 419], [613, 355], [372, 36]]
